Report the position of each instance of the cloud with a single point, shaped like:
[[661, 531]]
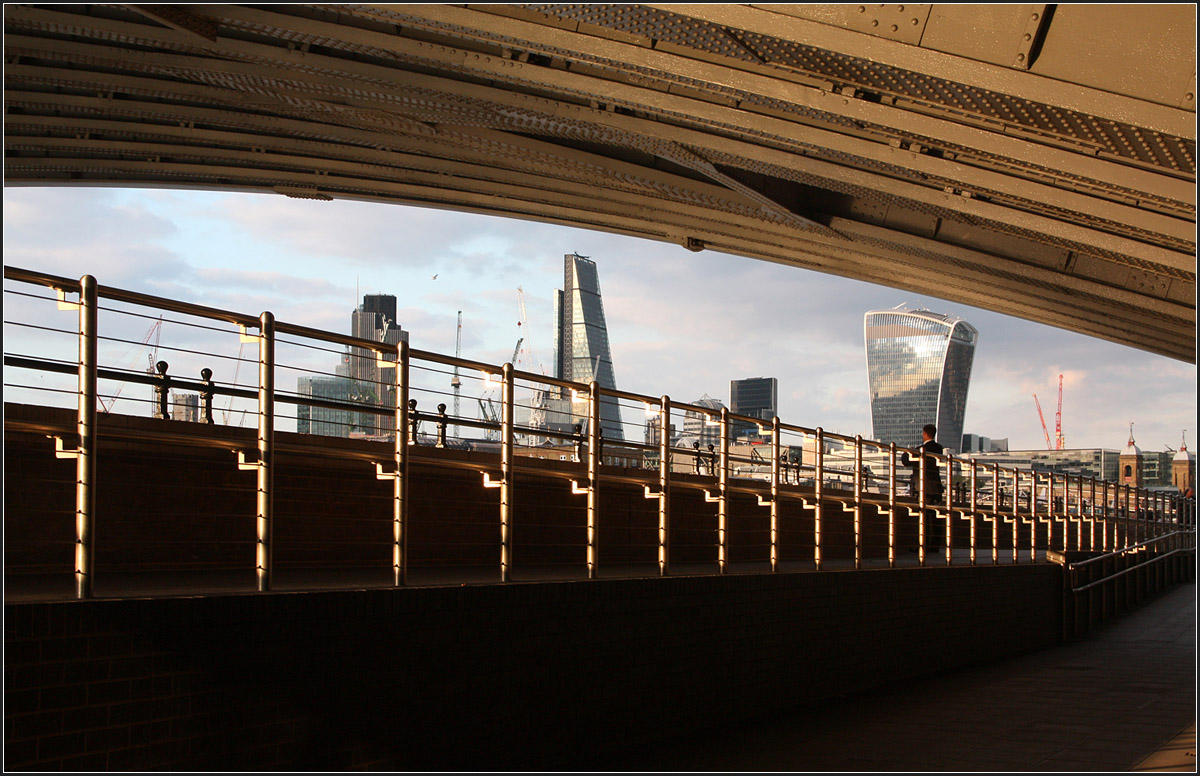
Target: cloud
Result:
[[680, 323]]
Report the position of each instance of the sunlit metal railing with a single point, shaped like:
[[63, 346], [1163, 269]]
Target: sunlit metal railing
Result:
[[809, 466]]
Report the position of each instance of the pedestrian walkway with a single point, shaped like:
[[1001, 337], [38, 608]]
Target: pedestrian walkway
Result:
[[1121, 698]]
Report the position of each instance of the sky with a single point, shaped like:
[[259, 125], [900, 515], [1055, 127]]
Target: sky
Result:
[[680, 323]]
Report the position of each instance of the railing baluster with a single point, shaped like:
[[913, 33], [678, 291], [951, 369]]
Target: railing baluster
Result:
[[818, 507], [723, 494], [593, 495], [506, 475], [266, 455], [858, 540], [775, 493], [88, 433], [400, 484], [664, 486], [892, 505]]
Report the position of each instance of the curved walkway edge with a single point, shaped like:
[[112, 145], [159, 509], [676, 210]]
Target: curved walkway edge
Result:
[[1120, 698]]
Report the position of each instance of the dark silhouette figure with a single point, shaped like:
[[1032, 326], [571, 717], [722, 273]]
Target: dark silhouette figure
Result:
[[934, 492]]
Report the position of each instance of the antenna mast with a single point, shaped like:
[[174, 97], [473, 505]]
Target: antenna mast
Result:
[[456, 383]]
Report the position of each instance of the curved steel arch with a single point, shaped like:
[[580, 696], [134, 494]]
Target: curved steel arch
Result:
[[1038, 161]]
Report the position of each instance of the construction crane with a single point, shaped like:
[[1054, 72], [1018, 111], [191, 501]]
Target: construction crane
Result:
[[455, 383], [1058, 434], [520, 324], [1049, 444], [154, 331]]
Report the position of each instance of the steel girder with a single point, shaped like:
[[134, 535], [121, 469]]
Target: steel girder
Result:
[[992, 158]]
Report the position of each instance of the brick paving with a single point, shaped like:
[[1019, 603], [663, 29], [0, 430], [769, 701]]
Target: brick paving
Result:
[[1120, 698]]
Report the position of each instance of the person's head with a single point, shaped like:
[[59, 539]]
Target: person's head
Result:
[[928, 432]]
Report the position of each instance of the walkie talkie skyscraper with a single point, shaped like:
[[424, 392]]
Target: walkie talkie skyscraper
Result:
[[918, 372]]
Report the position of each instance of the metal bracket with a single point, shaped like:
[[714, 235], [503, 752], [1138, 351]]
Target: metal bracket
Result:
[[60, 451], [1034, 25], [488, 482], [767, 503], [243, 464], [63, 304], [243, 336], [578, 491], [710, 499], [646, 489], [380, 474]]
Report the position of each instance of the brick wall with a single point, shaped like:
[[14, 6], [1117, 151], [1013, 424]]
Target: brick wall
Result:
[[521, 676]]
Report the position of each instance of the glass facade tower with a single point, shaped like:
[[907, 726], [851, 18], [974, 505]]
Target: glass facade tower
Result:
[[581, 338], [755, 397], [918, 372]]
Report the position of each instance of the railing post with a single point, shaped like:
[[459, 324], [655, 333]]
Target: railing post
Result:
[[973, 507], [858, 501], [162, 410], [266, 456], [86, 429], [1091, 514], [1065, 512], [892, 505], [400, 482], [506, 472], [1107, 516], [949, 493], [723, 494], [1016, 515], [206, 394], [664, 486], [593, 493], [819, 492], [996, 514], [1079, 509], [921, 508], [775, 493]]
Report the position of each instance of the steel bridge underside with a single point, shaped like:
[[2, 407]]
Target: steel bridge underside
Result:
[[1034, 160]]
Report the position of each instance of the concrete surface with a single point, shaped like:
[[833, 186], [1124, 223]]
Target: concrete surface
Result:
[[1120, 698]]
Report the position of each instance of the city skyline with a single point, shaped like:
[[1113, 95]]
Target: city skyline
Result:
[[680, 323]]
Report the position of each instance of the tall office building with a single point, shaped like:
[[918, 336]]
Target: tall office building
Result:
[[370, 382], [359, 378], [581, 352], [755, 397], [702, 427], [918, 372]]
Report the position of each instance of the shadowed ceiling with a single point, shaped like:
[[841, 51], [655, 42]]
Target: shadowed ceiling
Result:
[[1034, 160]]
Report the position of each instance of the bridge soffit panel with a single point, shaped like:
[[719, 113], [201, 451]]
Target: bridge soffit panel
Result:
[[738, 128]]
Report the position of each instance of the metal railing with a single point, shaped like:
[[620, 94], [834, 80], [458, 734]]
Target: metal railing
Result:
[[811, 467], [1098, 587]]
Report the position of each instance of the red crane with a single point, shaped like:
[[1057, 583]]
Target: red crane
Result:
[[1058, 434], [1049, 445]]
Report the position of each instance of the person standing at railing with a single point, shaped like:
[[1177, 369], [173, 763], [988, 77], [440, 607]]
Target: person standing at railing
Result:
[[934, 492]]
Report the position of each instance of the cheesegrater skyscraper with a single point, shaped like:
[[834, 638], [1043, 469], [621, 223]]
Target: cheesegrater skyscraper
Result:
[[581, 338]]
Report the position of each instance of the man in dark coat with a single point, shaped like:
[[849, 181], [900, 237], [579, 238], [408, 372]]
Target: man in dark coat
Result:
[[934, 492]]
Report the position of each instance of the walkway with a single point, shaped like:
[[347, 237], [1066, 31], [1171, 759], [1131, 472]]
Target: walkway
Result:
[[1121, 698]]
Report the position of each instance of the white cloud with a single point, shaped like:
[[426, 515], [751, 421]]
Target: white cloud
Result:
[[680, 323]]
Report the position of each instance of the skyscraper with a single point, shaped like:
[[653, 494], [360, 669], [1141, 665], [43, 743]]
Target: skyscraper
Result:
[[360, 379], [918, 372], [581, 337], [370, 382], [755, 397]]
